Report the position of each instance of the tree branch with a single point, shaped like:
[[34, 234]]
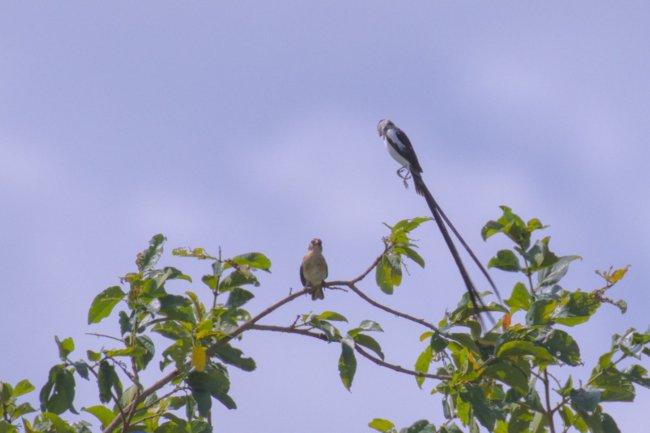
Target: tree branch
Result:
[[357, 348], [210, 351], [547, 396]]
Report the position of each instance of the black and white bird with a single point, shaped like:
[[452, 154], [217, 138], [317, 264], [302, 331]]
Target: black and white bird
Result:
[[313, 269], [400, 148]]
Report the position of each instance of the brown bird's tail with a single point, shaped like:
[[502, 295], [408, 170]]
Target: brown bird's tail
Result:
[[317, 293]]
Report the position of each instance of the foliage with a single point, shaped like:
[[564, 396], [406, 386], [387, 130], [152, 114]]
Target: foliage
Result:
[[508, 379], [505, 379]]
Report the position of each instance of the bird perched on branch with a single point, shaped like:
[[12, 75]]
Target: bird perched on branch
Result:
[[313, 269], [400, 148]]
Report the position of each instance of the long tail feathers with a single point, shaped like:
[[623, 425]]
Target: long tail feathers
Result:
[[440, 219], [471, 253]]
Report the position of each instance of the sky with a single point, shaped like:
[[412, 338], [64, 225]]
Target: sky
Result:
[[251, 126]]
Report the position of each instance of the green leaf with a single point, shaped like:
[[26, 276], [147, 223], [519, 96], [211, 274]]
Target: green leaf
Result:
[[636, 373], [576, 308], [23, 387], [450, 428], [369, 325], [613, 385], [254, 260], [331, 315], [144, 356], [514, 349], [505, 260], [480, 406], [422, 364], [328, 329], [212, 382], [562, 346], [53, 423], [65, 347], [631, 343], [520, 299], [104, 303], [147, 259], [395, 268], [520, 420], [421, 426], [126, 324], [198, 426], [93, 356], [508, 373], [539, 256], [107, 380], [58, 393], [465, 340], [177, 307], [621, 305], [584, 400], [438, 342], [382, 425], [127, 351], [608, 424], [6, 427], [410, 253], [203, 401], [102, 413], [383, 276], [237, 279], [552, 275], [238, 297], [212, 281], [82, 369], [160, 277], [172, 330], [233, 356], [22, 409], [6, 394], [541, 312], [347, 362], [512, 226], [404, 227], [370, 343], [172, 427]]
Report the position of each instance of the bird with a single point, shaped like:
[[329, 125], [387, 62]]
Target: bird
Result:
[[400, 148], [313, 269]]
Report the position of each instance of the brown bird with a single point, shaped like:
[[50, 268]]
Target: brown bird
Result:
[[313, 269]]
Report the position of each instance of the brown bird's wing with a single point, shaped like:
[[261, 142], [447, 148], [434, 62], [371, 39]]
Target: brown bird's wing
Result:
[[302, 278]]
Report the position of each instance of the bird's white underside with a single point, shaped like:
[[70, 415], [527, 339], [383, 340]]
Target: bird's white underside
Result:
[[392, 136]]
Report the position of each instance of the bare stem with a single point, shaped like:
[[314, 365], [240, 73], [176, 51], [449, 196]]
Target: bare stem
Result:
[[357, 348], [547, 396]]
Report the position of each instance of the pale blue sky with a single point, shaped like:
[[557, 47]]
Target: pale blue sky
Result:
[[252, 126]]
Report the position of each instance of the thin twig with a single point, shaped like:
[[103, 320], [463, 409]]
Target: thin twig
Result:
[[105, 336], [547, 396], [362, 352], [383, 307]]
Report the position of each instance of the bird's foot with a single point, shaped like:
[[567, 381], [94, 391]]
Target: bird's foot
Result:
[[404, 173]]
